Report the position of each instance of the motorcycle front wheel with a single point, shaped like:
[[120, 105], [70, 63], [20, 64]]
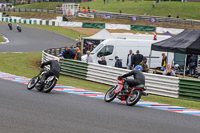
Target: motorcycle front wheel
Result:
[[32, 83], [110, 94], [133, 98], [49, 86]]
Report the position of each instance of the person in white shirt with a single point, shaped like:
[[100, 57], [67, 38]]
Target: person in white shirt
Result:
[[129, 60], [89, 57]]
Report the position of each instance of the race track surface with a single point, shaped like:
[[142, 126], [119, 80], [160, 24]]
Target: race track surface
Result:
[[23, 111], [32, 40]]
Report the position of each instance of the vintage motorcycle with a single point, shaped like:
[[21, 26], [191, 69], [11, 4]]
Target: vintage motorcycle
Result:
[[46, 86], [131, 97]]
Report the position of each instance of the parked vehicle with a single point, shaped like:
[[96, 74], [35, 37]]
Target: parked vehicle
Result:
[[48, 84], [120, 47], [131, 98]]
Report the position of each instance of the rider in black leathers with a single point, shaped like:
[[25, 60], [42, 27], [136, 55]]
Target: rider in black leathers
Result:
[[54, 69], [139, 78]]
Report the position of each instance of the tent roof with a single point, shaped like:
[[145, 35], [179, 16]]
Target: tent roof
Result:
[[187, 42], [103, 34]]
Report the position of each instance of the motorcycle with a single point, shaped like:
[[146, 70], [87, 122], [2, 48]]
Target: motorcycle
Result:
[[131, 97], [10, 26], [45, 86], [19, 29]]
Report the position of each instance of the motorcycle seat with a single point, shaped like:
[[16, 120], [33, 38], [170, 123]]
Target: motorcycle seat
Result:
[[140, 86]]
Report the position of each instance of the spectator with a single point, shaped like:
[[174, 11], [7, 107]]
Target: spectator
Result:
[[88, 9], [68, 53], [144, 65], [154, 3], [104, 1], [177, 17], [130, 60], [164, 61], [78, 54], [192, 64], [169, 15], [89, 57], [118, 63], [102, 61], [137, 58], [169, 71], [120, 11]]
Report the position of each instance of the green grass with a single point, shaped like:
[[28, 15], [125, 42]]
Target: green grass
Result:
[[186, 10], [2, 39], [27, 65]]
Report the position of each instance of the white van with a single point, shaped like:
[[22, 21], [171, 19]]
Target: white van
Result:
[[120, 47]]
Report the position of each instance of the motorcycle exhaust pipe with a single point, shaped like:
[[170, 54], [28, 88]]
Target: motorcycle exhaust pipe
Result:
[[144, 93]]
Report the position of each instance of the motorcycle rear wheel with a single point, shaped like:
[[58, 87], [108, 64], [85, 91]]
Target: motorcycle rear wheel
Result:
[[48, 87], [110, 94], [32, 83], [133, 98]]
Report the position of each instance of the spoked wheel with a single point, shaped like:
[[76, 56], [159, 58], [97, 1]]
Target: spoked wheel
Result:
[[110, 94], [49, 86], [32, 83], [133, 98]]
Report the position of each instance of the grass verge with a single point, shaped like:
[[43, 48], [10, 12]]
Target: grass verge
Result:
[[185, 10], [2, 39], [43, 15], [27, 65]]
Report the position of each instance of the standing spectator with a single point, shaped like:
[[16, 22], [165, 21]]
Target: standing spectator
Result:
[[118, 63], [88, 9], [192, 65], [169, 71], [102, 61], [107, 1], [169, 15], [154, 3], [78, 54], [130, 60], [137, 58], [164, 61], [104, 1], [89, 57], [120, 11], [144, 65], [68, 53]]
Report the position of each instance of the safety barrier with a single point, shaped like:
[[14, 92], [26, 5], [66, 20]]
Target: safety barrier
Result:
[[189, 89], [156, 84]]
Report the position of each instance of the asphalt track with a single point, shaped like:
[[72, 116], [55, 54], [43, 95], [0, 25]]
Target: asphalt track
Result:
[[23, 111], [31, 40]]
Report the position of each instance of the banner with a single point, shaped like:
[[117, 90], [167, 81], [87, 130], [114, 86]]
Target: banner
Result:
[[94, 25], [87, 15], [106, 16], [134, 18], [143, 28], [153, 20]]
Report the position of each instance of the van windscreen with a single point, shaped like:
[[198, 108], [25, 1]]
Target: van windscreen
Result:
[[97, 48]]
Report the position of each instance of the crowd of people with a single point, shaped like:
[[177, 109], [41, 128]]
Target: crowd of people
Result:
[[133, 61]]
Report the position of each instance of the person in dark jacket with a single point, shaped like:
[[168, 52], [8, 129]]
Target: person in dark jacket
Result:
[[54, 69], [118, 63], [192, 65], [68, 53], [102, 61], [129, 63], [139, 78], [137, 58]]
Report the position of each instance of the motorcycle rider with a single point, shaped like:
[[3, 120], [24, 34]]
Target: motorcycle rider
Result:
[[54, 69], [18, 27], [139, 78], [10, 25]]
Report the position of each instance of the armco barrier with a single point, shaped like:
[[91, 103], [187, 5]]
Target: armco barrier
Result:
[[156, 84], [189, 89]]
